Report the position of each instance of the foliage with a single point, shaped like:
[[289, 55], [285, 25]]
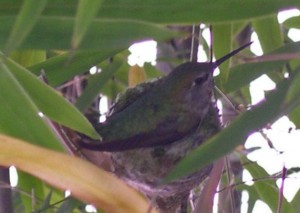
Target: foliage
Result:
[[59, 41]]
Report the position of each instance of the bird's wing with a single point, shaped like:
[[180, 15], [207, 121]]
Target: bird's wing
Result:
[[130, 96], [138, 126], [121, 140]]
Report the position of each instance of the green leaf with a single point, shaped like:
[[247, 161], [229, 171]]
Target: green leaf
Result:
[[95, 84], [296, 200], [295, 116], [27, 18], [59, 69], [269, 32], [236, 133], [293, 22], [294, 89], [222, 41], [242, 75], [267, 190], [112, 88], [68, 205], [19, 114], [112, 34], [48, 101], [46, 202], [167, 11], [86, 12], [29, 184], [28, 57]]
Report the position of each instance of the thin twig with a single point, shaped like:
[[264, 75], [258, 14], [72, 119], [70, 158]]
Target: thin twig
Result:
[[211, 44], [232, 200], [280, 194], [195, 43], [273, 57]]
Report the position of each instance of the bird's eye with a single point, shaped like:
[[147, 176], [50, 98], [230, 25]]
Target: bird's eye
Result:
[[201, 80]]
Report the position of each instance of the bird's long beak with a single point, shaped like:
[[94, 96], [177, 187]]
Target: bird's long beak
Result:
[[229, 55]]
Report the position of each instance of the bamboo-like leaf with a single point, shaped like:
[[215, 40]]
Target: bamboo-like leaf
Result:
[[237, 132], [242, 75], [28, 58], [68, 205], [295, 116], [18, 113], [85, 181], [294, 89], [29, 184], [222, 45], [268, 32], [167, 11], [86, 11], [95, 84], [58, 69], [293, 22], [267, 190], [102, 35], [136, 75], [48, 101], [296, 200], [28, 16]]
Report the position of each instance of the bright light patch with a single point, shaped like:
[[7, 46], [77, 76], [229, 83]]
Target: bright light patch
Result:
[[94, 70], [41, 114], [255, 46], [286, 14], [294, 34], [142, 52], [258, 88], [90, 208], [247, 178], [206, 35], [13, 176], [103, 108], [67, 193], [244, 204], [261, 207], [201, 57]]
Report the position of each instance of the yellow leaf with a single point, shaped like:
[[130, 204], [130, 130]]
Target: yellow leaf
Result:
[[136, 75], [85, 181]]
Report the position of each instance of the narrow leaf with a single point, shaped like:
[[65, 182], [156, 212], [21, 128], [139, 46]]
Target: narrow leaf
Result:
[[102, 35], [86, 12], [28, 58], [269, 32], [296, 200], [136, 75], [242, 75], [18, 113], [237, 132], [293, 22], [222, 45], [267, 189], [26, 19], [85, 181], [96, 83], [48, 101], [58, 69], [168, 11]]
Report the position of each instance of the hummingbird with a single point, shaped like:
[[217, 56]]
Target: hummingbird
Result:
[[154, 125], [159, 112]]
